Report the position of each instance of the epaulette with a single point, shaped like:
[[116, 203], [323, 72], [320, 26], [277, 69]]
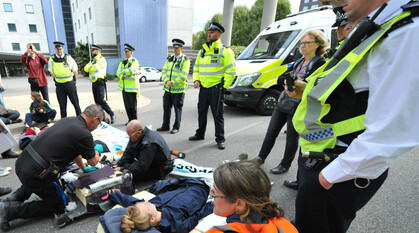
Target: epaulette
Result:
[[169, 56], [186, 57]]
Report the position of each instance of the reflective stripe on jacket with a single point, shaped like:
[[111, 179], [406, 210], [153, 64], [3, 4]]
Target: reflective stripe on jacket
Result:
[[214, 64], [131, 83], [280, 225], [177, 72], [96, 68], [316, 135], [61, 71]]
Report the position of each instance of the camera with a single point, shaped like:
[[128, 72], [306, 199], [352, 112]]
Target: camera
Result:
[[30, 47], [289, 76]]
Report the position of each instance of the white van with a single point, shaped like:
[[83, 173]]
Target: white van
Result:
[[270, 54]]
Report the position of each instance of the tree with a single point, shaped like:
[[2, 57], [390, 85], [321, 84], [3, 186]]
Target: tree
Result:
[[202, 35], [81, 56], [246, 23]]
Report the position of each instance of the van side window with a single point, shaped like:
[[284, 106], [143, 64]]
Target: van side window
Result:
[[294, 55]]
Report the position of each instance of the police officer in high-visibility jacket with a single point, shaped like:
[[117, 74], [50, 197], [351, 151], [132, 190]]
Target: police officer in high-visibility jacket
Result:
[[97, 72], [175, 74], [128, 82], [64, 70], [213, 73]]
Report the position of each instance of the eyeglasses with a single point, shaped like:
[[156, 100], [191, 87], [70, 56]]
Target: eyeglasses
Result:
[[133, 134], [212, 195], [307, 42]]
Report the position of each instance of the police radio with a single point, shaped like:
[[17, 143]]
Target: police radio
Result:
[[361, 31]]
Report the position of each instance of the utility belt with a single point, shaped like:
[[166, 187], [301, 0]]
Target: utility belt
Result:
[[316, 159], [50, 170]]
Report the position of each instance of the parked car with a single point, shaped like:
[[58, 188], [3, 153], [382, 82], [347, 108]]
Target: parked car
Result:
[[149, 74]]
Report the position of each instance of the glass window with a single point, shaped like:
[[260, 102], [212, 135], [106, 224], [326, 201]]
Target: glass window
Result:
[[77, 3], [314, 1], [32, 28], [29, 8], [12, 27], [87, 39], [269, 46], [84, 17], [37, 46], [305, 8], [306, 1], [16, 46], [73, 7], [75, 27], [90, 13], [7, 7], [79, 23], [93, 39], [314, 6]]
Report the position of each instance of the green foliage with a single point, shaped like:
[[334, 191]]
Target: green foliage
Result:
[[246, 23], [110, 76], [81, 56], [237, 49]]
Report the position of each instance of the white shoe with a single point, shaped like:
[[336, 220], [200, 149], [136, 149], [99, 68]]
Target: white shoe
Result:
[[4, 172]]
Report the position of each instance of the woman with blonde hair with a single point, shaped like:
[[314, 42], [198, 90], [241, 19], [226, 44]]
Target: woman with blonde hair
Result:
[[177, 208], [313, 45], [39, 110], [242, 194]]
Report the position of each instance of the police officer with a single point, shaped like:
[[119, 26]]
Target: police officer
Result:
[[51, 152], [350, 134], [340, 23], [128, 82], [64, 70], [213, 73], [175, 74], [147, 155], [97, 72]]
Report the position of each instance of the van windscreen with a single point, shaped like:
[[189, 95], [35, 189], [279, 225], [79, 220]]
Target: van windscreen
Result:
[[269, 46]]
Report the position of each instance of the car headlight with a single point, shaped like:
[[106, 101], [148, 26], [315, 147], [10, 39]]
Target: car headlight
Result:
[[248, 79]]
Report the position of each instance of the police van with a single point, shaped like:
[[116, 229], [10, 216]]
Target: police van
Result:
[[270, 54]]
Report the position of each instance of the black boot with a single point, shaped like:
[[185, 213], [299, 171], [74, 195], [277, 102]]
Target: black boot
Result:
[[4, 191], [4, 221], [9, 154]]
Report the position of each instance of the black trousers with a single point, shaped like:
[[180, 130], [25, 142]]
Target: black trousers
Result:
[[99, 89], [175, 100], [130, 102], [276, 123], [208, 97], [67, 89], [320, 210], [35, 87], [52, 201]]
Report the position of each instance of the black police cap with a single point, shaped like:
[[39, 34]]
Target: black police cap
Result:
[[216, 26], [96, 47], [178, 43], [341, 19], [58, 44], [128, 47]]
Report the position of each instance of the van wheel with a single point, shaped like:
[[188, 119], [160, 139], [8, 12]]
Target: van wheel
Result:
[[142, 79], [267, 103]]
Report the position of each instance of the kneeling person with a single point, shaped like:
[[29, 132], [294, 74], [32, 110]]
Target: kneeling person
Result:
[[147, 155]]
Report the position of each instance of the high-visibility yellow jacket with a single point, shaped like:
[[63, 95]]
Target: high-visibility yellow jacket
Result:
[[273, 226], [128, 67], [318, 134], [61, 69], [214, 64], [96, 68], [177, 72]]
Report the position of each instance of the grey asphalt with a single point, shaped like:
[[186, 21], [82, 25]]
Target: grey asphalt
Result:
[[393, 209]]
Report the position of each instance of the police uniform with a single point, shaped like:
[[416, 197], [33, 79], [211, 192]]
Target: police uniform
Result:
[[345, 111], [97, 72], [62, 69], [129, 85], [60, 144], [215, 70], [176, 70], [146, 157]]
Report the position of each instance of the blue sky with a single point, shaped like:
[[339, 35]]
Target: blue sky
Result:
[[205, 9]]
